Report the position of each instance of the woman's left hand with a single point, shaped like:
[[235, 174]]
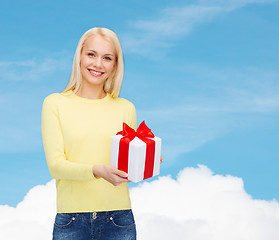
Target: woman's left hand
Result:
[[161, 159]]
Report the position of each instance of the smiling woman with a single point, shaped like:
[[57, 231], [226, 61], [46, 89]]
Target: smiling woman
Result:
[[77, 124]]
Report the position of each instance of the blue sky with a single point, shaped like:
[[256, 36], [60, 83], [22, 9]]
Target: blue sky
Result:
[[203, 74]]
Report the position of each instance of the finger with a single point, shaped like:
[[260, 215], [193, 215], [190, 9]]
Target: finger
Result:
[[120, 180], [122, 174], [119, 172]]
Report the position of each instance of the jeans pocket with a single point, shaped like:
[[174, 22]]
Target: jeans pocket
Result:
[[125, 220], [63, 220]]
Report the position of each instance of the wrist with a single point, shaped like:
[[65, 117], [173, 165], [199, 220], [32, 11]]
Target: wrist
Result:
[[96, 170]]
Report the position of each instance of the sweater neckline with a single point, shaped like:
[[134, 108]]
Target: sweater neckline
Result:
[[82, 99]]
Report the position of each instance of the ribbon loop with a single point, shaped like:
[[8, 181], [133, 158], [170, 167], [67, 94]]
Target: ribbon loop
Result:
[[144, 131], [127, 131]]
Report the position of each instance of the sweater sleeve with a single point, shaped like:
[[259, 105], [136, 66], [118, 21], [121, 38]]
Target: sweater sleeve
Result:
[[59, 166]]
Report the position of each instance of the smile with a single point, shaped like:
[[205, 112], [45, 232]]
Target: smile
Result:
[[95, 73]]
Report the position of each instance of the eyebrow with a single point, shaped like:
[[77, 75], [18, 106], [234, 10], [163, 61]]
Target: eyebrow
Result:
[[91, 50]]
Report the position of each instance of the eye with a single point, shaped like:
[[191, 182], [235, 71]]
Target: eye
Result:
[[108, 58], [91, 54]]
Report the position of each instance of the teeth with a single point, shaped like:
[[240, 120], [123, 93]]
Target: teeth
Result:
[[97, 73]]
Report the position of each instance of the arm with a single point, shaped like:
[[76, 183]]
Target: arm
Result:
[[59, 166], [110, 173]]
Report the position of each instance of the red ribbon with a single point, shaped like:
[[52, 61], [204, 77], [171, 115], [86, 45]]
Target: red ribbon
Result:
[[143, 133]]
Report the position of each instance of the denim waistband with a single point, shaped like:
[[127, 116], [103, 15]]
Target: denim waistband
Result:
[[96, 215]]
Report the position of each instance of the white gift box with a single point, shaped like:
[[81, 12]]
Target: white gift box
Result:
[[137, 163]]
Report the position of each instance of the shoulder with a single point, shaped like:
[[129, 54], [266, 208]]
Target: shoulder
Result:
[[51, 99], [56, 97], [54, 100], [124, 102]]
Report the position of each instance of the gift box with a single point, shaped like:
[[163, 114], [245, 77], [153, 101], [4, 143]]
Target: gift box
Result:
[[137, 152]]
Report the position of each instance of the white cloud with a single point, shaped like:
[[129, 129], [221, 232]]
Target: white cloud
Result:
[[232, 4], [176, 21], [197, 205], [32, 219], [147, 36], [200, 205], [34, 70]]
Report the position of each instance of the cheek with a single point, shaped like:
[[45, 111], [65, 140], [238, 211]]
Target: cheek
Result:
[[111, 67], [84, 62]]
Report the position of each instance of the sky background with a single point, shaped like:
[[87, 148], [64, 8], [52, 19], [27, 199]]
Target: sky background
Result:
[[203, 75]]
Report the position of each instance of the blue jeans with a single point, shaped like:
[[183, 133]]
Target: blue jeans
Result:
[[114, 225]]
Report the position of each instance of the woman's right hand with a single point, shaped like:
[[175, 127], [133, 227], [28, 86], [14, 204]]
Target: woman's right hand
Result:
[[110, 174]]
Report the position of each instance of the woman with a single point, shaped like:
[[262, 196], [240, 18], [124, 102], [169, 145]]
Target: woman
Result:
[[77, 124]]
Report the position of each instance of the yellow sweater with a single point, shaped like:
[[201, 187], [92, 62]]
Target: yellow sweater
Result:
[[76, 135]]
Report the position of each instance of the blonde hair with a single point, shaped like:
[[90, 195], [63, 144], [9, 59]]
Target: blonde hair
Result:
[[113, 83]]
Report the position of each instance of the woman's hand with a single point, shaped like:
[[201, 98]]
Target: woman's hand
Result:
[[110, 174], [161, 159]]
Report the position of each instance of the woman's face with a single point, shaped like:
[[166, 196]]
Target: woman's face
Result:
[[97, 61]]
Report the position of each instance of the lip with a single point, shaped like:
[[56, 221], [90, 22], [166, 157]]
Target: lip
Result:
[[95, 73]]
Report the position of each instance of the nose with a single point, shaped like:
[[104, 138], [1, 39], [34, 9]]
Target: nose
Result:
[[97, 62]]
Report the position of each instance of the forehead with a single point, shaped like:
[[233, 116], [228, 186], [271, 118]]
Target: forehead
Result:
[[99, 45]]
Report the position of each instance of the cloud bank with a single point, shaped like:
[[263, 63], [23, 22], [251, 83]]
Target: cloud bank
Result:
[[197, 205], [200, 205]]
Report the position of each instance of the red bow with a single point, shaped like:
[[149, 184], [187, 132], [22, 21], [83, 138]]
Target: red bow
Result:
[[142, 132]]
